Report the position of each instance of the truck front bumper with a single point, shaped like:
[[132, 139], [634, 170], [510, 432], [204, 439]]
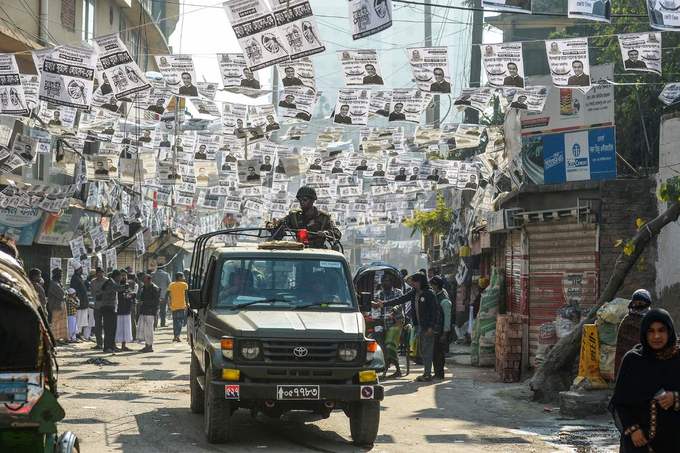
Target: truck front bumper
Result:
[[244, 391]]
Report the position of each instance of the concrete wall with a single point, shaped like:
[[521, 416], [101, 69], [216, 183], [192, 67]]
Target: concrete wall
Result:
[[668, 256]]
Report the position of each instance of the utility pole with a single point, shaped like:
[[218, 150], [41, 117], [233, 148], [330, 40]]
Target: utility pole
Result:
[[471, 115], [431, 115]]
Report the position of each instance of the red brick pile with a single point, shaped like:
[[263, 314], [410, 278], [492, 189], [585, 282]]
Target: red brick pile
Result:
[[509, 347]]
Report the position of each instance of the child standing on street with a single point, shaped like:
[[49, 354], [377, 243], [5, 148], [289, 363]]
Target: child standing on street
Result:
[[72, 304], [178, 304]]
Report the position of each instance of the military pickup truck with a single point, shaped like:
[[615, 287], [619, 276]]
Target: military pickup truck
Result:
[[275, 327]]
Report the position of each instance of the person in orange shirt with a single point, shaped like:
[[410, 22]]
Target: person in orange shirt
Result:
[[177, 293]]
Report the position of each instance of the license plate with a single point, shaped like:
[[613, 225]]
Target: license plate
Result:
[[297, 392]]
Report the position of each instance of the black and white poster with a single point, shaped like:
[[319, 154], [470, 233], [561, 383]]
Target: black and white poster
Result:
[[297, 73], [503, 64], [369, 17], [298, 103], [249, 172], [664, 14], [234, 119], [12, 97], [360, 67], [120, 69], [263, 116], [530, 98], [596, 10], [236, 76], [408, 104], [381, 102], [297, 25], [260, 39], [670, 94], [430, 66], [569, 64], [179, 74], [641, 51], [31, 86], [476, 98], [512, 6], [351, 107], [68, 77]]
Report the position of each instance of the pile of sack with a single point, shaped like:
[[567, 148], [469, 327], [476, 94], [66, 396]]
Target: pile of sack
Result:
[[609, 317]]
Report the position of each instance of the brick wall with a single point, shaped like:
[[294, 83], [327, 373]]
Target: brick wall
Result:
[[623, 201], [509, 347]]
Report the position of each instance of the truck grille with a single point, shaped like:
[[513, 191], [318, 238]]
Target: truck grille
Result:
[[300, 352]]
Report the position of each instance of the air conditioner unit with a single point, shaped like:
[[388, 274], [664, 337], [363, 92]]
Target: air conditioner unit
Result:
[[511, 223]]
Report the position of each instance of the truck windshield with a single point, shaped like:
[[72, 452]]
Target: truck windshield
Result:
[[283, 283]]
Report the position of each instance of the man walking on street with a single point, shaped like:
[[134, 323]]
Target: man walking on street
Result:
[[82, 315], [149, 298], [161, 279], [35, 275], [56, 304], [178, 304], [106, 297], [442, 339]]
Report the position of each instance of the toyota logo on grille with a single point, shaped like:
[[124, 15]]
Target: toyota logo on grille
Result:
[[300, 352]]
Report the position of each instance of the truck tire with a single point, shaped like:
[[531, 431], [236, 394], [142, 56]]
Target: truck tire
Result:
[[217, 415], [197, 394], [364, 419]]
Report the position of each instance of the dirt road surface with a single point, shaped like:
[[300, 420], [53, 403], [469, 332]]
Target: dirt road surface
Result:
[[140, 404]]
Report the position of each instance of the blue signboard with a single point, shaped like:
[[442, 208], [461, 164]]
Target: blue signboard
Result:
[[579, 155]]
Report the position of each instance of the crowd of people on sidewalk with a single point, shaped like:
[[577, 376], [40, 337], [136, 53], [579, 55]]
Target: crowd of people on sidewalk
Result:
[[428, 307], [112, 310]]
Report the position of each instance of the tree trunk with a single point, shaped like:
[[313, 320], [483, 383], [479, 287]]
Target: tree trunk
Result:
[[557, 372]]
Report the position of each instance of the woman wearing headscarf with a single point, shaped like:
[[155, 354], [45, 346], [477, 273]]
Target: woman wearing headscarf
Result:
[[646, 401], [629, 329], [427, 319]]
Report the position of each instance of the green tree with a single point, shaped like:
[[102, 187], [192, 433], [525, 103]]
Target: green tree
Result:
[[436, 221]]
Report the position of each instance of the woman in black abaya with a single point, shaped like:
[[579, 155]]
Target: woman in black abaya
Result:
[[646, 401]]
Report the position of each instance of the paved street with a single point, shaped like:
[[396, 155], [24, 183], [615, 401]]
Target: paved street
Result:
[[141, 404]]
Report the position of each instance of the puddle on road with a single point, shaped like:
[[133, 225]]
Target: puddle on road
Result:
[[579, 438]]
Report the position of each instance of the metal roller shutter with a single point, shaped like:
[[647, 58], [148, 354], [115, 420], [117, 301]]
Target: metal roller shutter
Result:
[[563, 267]]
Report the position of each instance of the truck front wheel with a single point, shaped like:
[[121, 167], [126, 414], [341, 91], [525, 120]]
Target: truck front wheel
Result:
[[364, 419], [197, 396], [217, 416]]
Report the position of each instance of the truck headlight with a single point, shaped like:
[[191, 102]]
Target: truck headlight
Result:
[[250, 350], [348, 352]]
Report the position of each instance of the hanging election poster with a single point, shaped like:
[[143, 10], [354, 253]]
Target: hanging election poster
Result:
[[68, 77], [236, 76], [430, 66], [504, 65], [641, 51], [663, 14], [476, 98], [12, 97], [298, 103], [670, 94], [380, 103], [257, 33], [513, 6], [297, 24], [234, 119], [297, 73], [569, 64], [530, 98], [369, 17], [360, 67], [351, 107], [408, 104], [140, 248], [597, 10], [31, 85], [78, 249], [263, 116], [120, 69], [179, 73]]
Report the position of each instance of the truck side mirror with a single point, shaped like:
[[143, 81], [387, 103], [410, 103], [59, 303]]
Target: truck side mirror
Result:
[[195, 300], [365, 301]]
